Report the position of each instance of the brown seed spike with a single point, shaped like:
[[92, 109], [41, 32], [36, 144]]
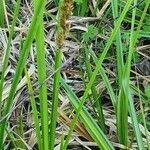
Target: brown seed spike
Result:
[[65, 11]]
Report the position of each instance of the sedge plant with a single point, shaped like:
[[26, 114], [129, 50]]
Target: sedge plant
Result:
[[65, 10]]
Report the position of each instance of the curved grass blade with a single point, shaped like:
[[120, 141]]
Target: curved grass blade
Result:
[[2, 15], [98, 103], [6, 57], [135, 123], [106, 81], [120, 63], [55, 98], [62, 29], [35, 112], [122, 107], [90, 124]]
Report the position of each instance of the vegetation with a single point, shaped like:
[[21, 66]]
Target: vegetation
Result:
[[75, 74]]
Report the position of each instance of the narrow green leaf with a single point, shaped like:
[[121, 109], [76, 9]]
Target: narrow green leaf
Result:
[[90, 124], [135, 123], [41, 71], [120, 63], [106, 80], [35, 112], [2, 14], [6, 55], [55, 98], [96, 97]]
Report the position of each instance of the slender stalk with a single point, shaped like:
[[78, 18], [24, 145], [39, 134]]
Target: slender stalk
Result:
[[106, 81], [135, 123], [140, 143], [35, 112], [138, 135], [98, 104], [64, 12], [122, 118], [55, 98], [120, 62]]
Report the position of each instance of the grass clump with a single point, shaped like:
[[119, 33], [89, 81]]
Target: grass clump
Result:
[[86, 66]]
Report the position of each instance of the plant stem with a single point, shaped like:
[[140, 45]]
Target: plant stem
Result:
[[58, 58]]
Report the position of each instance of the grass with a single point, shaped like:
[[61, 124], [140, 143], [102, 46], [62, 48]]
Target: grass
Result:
[[55, 98], [99, 63], [85, 86], [41, 68], [35, 112], [123, 101], [98, 103], [2, 13], [4, 66], [19, 69]]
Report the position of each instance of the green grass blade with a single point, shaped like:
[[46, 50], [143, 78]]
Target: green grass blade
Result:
[[138, 6], [124, 13], [99, 63], [122, 116], [120, 63], [23, 56], [122, 107], [2, 14], [83, 8], [122, 122], [41, 70], [138, 135], [106, 80], [90, 124], [55, 98], [35, 112], [98, 104], [62, 141], [56, 2], [6, 57], [144, 122], [135, 123], [12, 138]]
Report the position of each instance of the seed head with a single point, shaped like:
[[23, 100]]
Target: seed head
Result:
[[65, 13]]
